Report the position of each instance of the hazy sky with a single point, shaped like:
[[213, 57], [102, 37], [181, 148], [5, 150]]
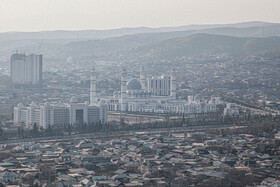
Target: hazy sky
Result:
[[35, 15]]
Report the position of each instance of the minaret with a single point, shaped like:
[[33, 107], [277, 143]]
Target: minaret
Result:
[[93, 98], [123, 90], [173, 84], [143, 78]]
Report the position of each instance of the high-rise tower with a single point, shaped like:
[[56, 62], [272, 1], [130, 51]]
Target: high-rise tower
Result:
[[93, 87], [173, 84], [26, 70]]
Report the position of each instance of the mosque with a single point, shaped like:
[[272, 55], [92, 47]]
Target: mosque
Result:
[[155, 94]]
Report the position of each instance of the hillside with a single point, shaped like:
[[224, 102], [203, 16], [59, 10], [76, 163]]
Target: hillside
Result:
[[88, 43], [201, 44], [109, 45]]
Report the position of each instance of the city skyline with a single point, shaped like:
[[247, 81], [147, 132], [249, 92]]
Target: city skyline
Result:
[[140, 93]]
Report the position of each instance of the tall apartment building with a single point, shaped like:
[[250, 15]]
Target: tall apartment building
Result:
[[26, 69]]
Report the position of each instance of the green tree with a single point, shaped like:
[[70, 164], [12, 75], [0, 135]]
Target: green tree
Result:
[[1, 133], [35, 131], [49, 131]]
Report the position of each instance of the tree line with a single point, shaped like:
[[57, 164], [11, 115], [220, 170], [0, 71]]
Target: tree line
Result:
[[83, 128]]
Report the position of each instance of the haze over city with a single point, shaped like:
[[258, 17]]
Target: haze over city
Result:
[[106, 93], [33, 15]]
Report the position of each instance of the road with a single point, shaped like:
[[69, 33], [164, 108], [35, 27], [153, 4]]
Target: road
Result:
[[114, 134]]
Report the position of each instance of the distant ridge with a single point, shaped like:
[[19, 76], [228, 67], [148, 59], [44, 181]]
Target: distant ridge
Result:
[[234, 39], [198, 44], [101, 34]]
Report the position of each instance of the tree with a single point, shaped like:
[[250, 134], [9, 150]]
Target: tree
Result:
[[47, 173], [49, 131], [1, 133], [19, 132], [122, 123], [42, 131], [35, 131], [183, 120]]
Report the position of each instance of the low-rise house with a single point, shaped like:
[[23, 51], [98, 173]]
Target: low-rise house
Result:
[[8, 177]]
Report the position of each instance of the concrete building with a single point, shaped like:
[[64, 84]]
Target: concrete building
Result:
[[60, 114], [26, 70], [67, 113], [159, 85], [231, 110]]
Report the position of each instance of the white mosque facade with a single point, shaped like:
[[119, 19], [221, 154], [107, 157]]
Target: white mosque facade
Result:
[[156, 94]]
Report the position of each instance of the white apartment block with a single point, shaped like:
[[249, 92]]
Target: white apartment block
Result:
[[26, 69], [60, 114]]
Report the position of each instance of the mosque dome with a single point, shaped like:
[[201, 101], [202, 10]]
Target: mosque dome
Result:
[[197, 97], [74, 99], [33, 104], [20, 105], [47, 104], [60, 104], [133, 84], [115, 93], [102, 102]]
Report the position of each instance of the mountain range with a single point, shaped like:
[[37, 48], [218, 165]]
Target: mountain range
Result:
[[166, 42], [208, 44]]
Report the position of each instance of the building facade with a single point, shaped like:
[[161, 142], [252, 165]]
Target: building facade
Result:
[[26, 70], [154, 95], [58, 114], [159, 85], [231, 110]]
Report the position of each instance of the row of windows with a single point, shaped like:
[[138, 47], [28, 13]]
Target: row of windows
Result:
[[161, 84]]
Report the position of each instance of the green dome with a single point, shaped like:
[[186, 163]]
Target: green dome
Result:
[[133, 84]]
